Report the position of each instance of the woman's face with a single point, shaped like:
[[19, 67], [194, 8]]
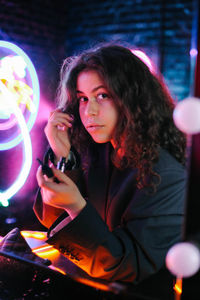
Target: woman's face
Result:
[[97, 109]]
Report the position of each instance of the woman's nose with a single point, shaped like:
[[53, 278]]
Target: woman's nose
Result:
[[92, 108]]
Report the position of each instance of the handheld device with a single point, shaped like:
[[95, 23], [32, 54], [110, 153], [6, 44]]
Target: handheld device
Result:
[[46, 170]]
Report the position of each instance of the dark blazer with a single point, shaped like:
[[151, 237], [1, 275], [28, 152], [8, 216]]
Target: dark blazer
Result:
[[123, 233]]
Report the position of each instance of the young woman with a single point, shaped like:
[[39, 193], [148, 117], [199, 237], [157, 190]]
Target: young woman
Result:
[[118, 207]]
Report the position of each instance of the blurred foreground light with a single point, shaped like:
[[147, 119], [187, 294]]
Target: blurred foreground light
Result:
[[193, 52], [186, 115], [4, 202], [183, 259], [10, 220]]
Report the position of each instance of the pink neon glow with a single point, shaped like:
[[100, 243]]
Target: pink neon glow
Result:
[[45, 107], [144, 58]]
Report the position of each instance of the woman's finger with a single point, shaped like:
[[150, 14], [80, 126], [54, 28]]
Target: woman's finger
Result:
[[65, 116], [40, 177], [59, 122], [62, 177], [45, 183]]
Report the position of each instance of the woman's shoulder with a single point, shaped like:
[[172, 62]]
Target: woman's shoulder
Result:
[[167, 161]]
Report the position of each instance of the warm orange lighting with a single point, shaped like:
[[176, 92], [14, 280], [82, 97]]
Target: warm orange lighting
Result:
[[57, 269], [178, 285], [34, 234], [42, 248], [178, 288], [46, 251], [1, 239], [96, 285]]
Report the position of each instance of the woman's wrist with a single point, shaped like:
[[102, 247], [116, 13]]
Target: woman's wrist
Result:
[[74, 211], [68, 163]]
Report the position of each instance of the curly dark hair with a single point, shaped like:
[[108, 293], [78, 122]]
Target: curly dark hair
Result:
[[145, 106]]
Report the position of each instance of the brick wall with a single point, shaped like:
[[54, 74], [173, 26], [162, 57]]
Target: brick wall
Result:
[[162, 28], [50, 30]]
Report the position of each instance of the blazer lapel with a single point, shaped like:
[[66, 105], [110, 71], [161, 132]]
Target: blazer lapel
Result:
[[121, 190], [98, 180]]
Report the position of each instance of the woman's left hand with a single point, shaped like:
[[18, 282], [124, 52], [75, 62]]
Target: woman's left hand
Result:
[[64, 194]]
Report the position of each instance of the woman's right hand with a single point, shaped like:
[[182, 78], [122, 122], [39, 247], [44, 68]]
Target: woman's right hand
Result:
[[57, 134]]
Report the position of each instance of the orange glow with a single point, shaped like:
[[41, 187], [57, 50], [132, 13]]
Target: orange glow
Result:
[[34, 234], [46, 251], [96, 285], [57, 269], [42, 248], [178, 288]]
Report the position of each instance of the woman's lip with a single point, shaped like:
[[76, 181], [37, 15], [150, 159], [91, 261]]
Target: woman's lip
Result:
[[94, 127]]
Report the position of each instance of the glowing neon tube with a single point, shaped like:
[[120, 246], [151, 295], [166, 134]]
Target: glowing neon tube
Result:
[[36, 92], [6, 195]]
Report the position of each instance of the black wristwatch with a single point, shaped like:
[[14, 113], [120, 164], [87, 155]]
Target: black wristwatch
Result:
[[69, 163]]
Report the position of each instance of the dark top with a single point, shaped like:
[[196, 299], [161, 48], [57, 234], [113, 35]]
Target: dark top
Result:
[[123, 233]]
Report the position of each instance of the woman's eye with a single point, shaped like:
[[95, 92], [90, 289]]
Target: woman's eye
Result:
[[82, 99], [102, 96]]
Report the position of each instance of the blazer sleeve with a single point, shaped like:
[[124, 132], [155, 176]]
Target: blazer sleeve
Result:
[[133, 251], [45, 213], [48, 214]]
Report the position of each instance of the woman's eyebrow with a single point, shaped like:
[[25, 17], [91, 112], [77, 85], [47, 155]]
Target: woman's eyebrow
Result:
[[93, 90]]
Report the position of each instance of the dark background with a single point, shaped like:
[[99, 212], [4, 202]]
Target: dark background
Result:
[[49, 31]]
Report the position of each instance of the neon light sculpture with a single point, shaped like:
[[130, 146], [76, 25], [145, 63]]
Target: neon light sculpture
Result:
[[21, 82], [19, 102]]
